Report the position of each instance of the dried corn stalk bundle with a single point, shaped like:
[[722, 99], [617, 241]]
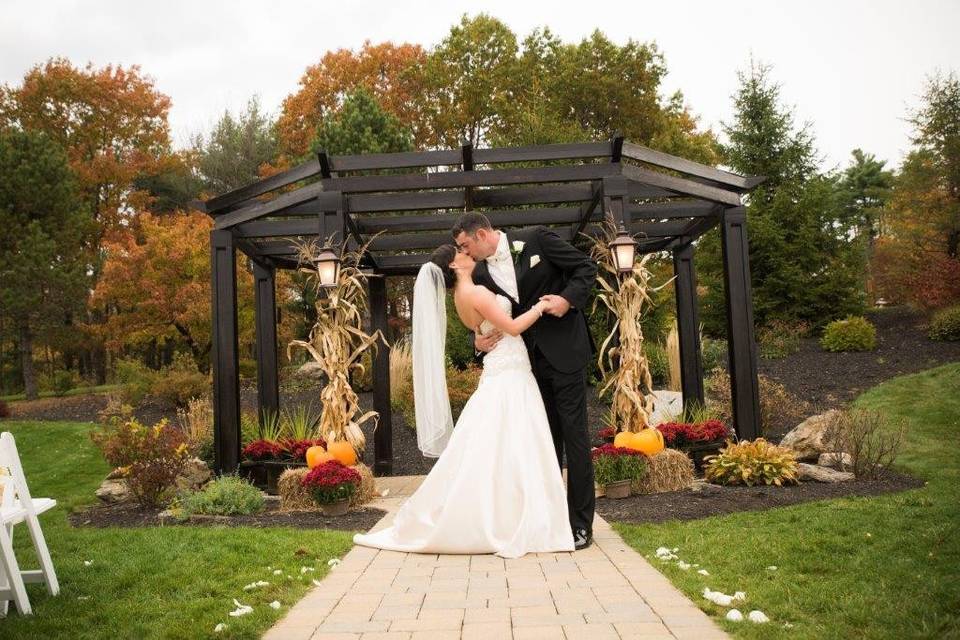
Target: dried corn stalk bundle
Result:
[[627, 297], [336, 343]]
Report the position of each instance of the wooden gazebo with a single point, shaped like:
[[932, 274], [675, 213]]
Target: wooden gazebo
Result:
[[415, 197]]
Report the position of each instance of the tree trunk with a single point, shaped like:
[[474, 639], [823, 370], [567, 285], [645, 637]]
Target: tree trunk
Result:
[[26, 362]]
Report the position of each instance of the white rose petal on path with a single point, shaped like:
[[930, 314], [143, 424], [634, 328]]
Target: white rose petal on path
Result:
[[315, 582], [332, 562], [384, 493], [758, 616], [734, 615]]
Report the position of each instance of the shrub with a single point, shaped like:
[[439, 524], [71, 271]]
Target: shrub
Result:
[[196, 420], [331, 481], [136, 379], [945, 324], [150, 458], [180, 381], [855, 333], [61, 382], [750, 463], [870, 437], [298, 423], [713, 353], [777, 405], [459, 343], [779, 338], [225, 496], [612, 464], [658, 363], [116, 409], [460, 386], [4, 409], [678, 434]]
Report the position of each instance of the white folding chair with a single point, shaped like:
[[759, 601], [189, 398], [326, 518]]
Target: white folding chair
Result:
[[17, 506]]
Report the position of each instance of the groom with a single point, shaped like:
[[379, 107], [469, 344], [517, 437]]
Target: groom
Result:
[[536, 264]]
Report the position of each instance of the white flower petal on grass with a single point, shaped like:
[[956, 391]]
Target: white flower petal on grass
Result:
[[241, 610], [703, 572], [254, 585], [275, 604], [734, 615], [716, 597], [278, 572], [305, 569], [83, 597], [772, 567], [758, 616], [315, 582], [220, 627], [87, 563], [788, 625], [683, 565], [332, 562], [663, 553], [739, 595]]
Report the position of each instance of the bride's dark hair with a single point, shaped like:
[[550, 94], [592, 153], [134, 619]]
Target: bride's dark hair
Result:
[[442, 256]]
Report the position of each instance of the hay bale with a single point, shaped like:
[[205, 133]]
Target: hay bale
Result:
[[669, 470], [293, 497]]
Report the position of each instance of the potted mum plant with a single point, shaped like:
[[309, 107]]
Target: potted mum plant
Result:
[[696, 439], [332, 484], [615, 469]]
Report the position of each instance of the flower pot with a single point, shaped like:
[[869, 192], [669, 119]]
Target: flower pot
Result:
[[699, 450], [255, 472], [337, 508], [618, 489], [273, 470]]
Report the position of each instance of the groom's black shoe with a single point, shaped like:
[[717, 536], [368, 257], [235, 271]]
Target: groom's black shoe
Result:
[[582, 539]]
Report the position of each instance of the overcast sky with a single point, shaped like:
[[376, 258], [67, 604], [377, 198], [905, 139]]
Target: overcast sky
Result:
[[853, 69]]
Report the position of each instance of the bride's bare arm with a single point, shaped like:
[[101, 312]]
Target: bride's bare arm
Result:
[[485, 302]]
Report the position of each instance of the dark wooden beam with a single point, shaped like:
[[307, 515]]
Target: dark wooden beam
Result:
[[265, 316], [586, 211], [325, 200], [688, 326], [542, 152], [225, 352], [616, 148], [324, 162], [675, 163], [681, 186], [383, 435], [466, 152], [742, 347]]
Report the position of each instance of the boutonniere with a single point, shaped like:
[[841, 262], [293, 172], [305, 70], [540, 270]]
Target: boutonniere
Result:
[[516, 247]]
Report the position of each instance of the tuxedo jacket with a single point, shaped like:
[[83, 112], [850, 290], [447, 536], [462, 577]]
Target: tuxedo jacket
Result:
[[550, 265]]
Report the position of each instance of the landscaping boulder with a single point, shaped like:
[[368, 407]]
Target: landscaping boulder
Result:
[[195, 474], [807, 439], [112, 491], [835, 460], [822, 474], [312, 371]]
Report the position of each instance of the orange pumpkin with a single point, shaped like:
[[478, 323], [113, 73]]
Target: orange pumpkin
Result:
[[648, 441], [343, 451], [317, 455], [622, 439]]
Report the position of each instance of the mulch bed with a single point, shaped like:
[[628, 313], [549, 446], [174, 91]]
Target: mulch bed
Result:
[[131, 515], [712, 500], [829, 380]]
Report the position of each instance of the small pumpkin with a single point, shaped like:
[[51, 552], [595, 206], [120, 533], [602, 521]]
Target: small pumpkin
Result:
[[648, 441], [317, 455], [622, 439], [343, 451]]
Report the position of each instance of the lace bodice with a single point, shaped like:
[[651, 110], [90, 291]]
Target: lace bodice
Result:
[[510, 353]]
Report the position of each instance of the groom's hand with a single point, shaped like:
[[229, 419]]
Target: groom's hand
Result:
[[556, 305], [486, 343]]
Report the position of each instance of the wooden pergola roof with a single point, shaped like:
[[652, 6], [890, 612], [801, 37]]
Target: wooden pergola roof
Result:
[[415, 198]]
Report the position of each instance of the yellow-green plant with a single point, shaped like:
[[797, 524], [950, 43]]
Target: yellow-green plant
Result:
[[750, 463], [626, 369], [336, 343]]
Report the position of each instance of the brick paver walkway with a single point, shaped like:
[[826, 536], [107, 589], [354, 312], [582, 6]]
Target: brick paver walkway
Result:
[[605, 591]]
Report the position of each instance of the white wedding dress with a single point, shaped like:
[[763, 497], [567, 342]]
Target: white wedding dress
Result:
[[497, 487]]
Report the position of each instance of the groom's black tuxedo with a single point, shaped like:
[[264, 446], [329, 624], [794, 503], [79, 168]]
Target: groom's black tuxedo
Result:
[[562, 270], [559, 351]]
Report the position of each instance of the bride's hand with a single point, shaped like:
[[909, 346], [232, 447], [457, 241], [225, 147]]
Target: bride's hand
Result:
[[486, 343]]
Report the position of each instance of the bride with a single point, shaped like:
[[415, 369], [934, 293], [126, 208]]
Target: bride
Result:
[[496, 487]]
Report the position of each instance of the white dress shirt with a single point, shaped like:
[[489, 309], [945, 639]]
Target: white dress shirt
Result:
[[501, 268]]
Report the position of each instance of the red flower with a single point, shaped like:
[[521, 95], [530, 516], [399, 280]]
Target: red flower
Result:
[[297, 449], [676, 433], [611, 450], [609, 432], [330, 474], [262, 450]]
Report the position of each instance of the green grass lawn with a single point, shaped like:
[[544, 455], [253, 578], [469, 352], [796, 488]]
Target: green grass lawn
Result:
[[881, 567], [77, 391], [155, 582]]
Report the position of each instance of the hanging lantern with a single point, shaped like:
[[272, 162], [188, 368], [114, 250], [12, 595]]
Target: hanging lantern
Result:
[[327, 264], [624, 249]]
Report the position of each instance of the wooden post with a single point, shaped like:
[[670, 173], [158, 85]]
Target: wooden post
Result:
[[265, 309], [688, 326], [225, 352], [383, 436], [744, 386]]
